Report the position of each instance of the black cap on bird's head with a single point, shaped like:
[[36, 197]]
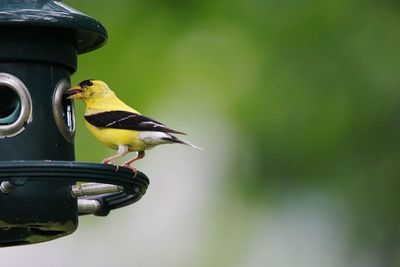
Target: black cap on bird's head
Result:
[[78, 90], [88, 89], [86, 83]]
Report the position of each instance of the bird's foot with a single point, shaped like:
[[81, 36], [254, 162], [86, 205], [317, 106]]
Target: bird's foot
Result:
[[111, 162], [134, 170]]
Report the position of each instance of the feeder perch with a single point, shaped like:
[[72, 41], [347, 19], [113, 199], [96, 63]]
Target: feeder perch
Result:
[[39, 198]]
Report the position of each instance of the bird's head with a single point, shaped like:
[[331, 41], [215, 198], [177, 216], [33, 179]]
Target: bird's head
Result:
[[89, 89]]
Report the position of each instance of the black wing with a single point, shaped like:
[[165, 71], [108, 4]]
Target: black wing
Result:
[[120, 119]]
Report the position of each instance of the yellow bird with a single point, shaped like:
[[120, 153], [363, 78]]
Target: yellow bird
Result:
[[119, 126]]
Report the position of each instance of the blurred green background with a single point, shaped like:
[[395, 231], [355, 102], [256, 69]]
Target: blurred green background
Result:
[[296, 104]]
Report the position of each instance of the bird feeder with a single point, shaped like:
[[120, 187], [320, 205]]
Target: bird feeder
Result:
[[39, 198]]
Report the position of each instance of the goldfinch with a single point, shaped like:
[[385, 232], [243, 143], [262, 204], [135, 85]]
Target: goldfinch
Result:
[[119, 126]]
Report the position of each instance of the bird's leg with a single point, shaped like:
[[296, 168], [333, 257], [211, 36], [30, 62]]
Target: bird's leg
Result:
[[128, 164], [122, 151]]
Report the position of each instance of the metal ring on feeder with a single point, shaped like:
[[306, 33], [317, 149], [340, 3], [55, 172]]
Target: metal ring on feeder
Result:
[[63, 111], [16, 110]]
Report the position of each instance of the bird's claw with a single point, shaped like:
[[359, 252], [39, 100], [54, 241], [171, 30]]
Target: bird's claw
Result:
[[116, 168], [111, 162], [134, 170]]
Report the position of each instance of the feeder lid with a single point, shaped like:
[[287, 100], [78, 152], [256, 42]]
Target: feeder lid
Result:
[[90, 33]]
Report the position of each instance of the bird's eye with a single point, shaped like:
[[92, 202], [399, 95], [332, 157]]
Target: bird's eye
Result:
[[90, 83]]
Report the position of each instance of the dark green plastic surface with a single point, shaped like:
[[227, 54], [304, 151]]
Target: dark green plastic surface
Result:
[[25, 172], [89, 34], [39, 44]]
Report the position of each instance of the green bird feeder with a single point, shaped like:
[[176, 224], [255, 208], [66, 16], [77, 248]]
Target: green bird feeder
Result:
[[39, 198]]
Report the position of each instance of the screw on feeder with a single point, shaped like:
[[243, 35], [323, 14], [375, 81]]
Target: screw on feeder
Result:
[[6, 187]]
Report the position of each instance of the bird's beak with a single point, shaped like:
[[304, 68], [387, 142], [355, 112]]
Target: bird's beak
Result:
[[74, 92]]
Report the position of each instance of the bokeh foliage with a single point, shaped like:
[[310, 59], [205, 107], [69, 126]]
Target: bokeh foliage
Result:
[[311, 89]]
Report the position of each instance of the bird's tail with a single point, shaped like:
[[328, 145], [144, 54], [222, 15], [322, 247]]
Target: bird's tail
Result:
[[174, 139]]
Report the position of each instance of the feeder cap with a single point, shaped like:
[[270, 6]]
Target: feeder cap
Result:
[[90, 33]]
